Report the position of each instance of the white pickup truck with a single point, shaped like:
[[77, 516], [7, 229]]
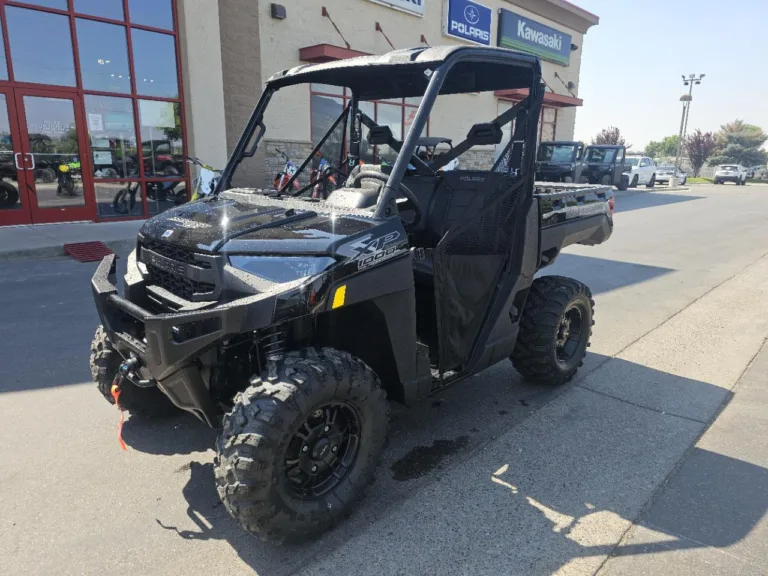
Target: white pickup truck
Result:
[[642, 170]]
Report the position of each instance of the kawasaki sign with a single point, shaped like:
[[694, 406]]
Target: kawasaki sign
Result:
[[526, 35]]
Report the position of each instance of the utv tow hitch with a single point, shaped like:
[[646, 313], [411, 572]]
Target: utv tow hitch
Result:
[[128, 371]]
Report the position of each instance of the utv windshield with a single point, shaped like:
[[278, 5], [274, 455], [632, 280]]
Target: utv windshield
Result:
[[557, 153], [600, 155], [363, 113]]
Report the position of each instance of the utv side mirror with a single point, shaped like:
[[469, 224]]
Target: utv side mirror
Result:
[[380, 135], [485, 133]]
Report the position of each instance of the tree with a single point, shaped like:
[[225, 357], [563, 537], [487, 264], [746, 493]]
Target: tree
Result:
[[667, 147], [611, 136], [740, 143], [700, 146]]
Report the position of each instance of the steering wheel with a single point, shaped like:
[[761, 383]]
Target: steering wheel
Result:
[[410, 196]]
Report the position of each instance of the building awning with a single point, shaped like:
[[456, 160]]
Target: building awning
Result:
[[550, 98], [320, 53]]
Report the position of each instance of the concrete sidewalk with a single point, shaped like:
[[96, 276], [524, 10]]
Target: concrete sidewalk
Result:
[[710, 518], [47, 240]]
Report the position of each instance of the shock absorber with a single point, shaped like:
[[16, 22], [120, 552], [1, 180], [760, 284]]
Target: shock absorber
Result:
[[273, 344]]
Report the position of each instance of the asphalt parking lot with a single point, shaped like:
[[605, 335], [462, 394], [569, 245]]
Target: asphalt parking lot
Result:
[[492, 476]]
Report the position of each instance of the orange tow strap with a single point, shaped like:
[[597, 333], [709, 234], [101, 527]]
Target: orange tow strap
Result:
[[116, 395]]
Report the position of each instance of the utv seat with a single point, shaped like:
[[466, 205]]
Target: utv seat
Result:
[[363, 197]]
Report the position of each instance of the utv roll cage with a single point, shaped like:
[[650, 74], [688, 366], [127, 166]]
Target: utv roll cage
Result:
[[411, 73]]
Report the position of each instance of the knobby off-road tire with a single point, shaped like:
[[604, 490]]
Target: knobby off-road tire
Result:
[[557, 309], [260, 438], [623, 184], [105, 363]]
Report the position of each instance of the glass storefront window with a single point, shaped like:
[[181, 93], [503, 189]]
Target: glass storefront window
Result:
[[112, 136], [41, 47], [10, 199], [119, 199], [164, 195], [154, 13], [161, 140], [154, 63], [3, 61], [105, 8], [58, 4], [103, 56], [390, 115]]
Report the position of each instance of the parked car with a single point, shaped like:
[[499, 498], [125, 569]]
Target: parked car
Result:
[[735, 173], [604, 164], [664, 173], [559, 161], [642, 170]]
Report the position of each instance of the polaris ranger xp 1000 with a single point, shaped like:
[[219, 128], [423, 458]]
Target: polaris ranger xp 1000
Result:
[[289, 323]]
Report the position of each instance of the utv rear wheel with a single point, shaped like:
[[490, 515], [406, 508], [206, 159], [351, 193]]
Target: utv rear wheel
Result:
[[554, 330], [606, 180], [623, 184], [651, 182], [105, 363], [568, 180], [634, 182], [295, 454]]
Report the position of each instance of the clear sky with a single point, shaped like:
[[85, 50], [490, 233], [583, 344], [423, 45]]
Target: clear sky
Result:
[[633, 61]]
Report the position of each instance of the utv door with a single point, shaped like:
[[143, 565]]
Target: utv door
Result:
[[618, 166], [482, 213]]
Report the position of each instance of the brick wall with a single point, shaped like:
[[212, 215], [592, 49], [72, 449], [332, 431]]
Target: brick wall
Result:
[[476, 160]]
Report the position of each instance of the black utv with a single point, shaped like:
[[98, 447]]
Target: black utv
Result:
[[605, 164], [559, 161], [288, 323]]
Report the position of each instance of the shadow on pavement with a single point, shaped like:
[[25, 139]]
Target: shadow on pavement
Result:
[[545, 502], [182, 434], [602, 275], [713, 501], [639, 200]]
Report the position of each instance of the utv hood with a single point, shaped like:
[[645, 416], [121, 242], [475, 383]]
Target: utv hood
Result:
[[255, 225]]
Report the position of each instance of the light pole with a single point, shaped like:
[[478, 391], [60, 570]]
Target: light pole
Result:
[[686, 99]]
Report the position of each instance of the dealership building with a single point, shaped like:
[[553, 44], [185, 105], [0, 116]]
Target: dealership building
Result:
[[102, 100]]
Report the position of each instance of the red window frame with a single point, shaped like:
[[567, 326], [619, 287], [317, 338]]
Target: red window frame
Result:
[[133, 96], [346, 96]]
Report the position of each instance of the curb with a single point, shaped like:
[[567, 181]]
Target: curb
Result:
[[116, 246]]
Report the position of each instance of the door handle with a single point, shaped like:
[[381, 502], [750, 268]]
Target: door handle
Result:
[[32, 157], [16, 160]]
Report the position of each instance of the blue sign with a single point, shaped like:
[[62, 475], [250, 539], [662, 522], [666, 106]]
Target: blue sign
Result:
[[526, 35], [469, 20]]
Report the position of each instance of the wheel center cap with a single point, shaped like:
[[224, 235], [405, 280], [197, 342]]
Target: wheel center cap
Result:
[[321, 449]]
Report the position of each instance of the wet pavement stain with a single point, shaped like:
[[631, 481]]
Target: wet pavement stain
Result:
[[423, 459]]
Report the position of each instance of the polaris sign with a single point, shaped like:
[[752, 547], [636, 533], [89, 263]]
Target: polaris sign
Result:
[[526, 35], [468, 20], [415, 7]]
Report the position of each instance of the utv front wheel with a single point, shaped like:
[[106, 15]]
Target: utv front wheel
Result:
[[554, 330], [105, 363], [296, 453]]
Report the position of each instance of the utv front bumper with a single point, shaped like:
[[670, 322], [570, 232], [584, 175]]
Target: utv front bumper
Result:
[[167, 345]]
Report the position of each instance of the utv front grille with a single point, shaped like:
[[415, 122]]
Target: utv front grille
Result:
[[182, 273], [177, 285], [173, 252]]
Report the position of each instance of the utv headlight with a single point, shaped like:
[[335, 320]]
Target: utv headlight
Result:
[[282, 269]]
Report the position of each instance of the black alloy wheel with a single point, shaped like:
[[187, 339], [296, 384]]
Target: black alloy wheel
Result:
[[569, 334], [322, 451]]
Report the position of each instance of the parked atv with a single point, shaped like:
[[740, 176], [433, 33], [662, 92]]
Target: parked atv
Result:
[[288, 322], [605, 165], [559, 162]]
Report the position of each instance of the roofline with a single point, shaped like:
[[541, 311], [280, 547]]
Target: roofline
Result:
[[565, 13]]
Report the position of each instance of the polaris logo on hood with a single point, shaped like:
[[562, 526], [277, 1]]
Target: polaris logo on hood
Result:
[[554, 41]]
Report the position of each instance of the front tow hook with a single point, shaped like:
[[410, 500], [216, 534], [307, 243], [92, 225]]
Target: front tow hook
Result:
[[128, 370]]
